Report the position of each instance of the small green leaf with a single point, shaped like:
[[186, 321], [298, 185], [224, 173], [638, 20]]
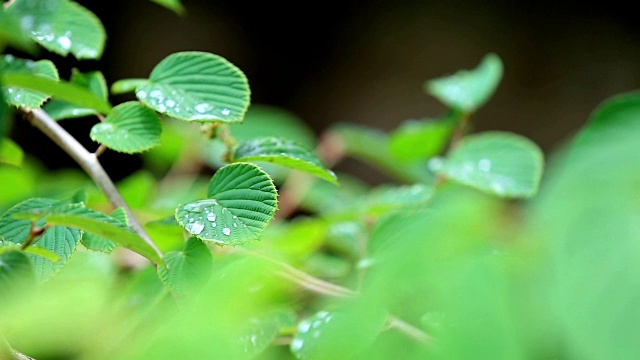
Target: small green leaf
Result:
[[10, 153], [129, 128], [242, 201], [504, 164], [127, 85], [59, 239], [22, 95], [260, 331], [197, 86], [61, 26], [173, 5], [93, 81], [70, 93], [468, 90], [283, 152], [421, 139], [189, 269]]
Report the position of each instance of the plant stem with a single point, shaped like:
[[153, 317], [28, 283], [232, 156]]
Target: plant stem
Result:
[[322, 287], [90, 164]]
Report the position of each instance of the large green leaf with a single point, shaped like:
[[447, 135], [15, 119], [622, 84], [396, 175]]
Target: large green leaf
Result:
[[10, 153], [468, 90], [504, 164], [61, 240], [70, 93], [197, 86], [93, 81], [242, 201], [189, 269], [16, 272], [173, 5], [88, 220], [283, 152], [19, 95], [331, 335], [129, 128], [61, 26], [421, 139]]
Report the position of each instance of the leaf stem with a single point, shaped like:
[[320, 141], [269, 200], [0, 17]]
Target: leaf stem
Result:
[[34, 232], [90, 164]]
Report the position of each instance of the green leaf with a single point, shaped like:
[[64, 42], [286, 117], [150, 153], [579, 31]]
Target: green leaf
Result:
[[421, 139], [93, 81], [11, 34], [359, 142], [79, 217], [260, 331], [242, 201], [61, 240], [335, 335], [197, 86], [70, 93], [10, 153], [19, 95], [61, 26], [129, 128], [468, 90], [16, 272], [615, 118], [187, 270], [173, 5], [127, 85], [98, 243], [35, 250], [389, 198], [283, 152], [500, 163]]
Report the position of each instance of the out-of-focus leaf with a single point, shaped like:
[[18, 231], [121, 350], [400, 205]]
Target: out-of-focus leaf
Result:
[[187, 270], [61, 26], [421, 139], [93, 81], [468, 90], [10, 153], [173, 5], [499, 163], [129, 128]]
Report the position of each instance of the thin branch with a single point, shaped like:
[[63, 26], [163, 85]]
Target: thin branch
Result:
[[410, 330], [322, 287], [90, 164]]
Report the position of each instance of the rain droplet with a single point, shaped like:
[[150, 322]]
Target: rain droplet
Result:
[[195, 228], [296, 344], [65, 41], [170, 103], [235, 225], [162, 108], [225, 112], [214, 224], [202, 108], [141, 94], [211, 217], [484, 165], [226, 231]]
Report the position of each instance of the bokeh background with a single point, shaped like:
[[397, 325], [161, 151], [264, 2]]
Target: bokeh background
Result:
[[366, 62]]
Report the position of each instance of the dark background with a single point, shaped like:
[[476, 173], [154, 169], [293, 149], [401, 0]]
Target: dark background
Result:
[[366, 62]]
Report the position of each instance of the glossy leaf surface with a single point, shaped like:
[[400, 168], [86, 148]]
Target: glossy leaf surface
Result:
[[197, 86], [242, 201]]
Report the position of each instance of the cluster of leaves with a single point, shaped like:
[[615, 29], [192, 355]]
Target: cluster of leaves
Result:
[[453, 261]]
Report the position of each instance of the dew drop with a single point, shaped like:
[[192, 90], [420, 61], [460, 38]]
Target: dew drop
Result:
[[141, 94], [195, 228], [225, 112], [296, 344], [170, 103], [235, 225], [484, 165], [65, 41], [214, 224], [211, 217], [202, 108], [226, 231], [162, 108]]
